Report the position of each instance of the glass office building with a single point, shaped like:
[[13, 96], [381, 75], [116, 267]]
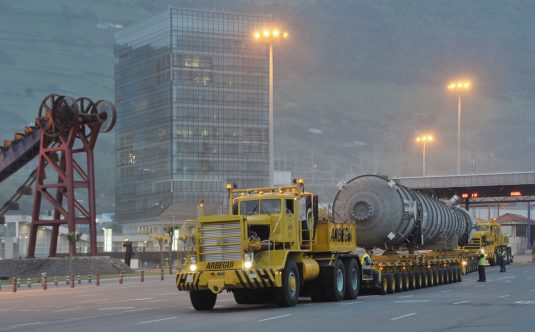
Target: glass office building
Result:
[[192, 99]]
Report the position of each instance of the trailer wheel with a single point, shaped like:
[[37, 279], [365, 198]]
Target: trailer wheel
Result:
[[287, 295], [430, 280], [202, 299], [335, 283], [424, 281], [391, 283], [399, 284], [384, 285], [352, 279], [412, 280]]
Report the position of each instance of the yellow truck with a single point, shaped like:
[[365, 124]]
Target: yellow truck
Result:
[[275, 245], [271, 246], [489, 238]]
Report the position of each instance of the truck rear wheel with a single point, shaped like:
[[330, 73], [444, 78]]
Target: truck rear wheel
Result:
[[352, 279], [384, 285], [287, 295], [202, 299], [335, 283], [412, 280], [391, 283]]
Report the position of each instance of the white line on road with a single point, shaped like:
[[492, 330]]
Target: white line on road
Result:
[[93, 301], [276, 317], [504, 295], [347, 303], [127, 300], [532, 291], [412, 301], [447, 290], [406, 296], [404, 316], [525, 302], [116, 308], [68, 309], [529, 278], [157, 320], [27, 324], [461, 302], [88, 295]]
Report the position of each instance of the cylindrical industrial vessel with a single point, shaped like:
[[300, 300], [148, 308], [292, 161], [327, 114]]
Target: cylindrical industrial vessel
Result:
[[389, 214]]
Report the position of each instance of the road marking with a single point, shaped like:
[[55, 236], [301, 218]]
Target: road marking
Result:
[[461, 302], [406, 296], [142, 309], [226, 300], [447, 290], [157, 320], [165, 294], [27, 324], [68, 309], [348, 303], [88, 295], [412, 301], [529, 278], [525, 302], [116, 308], [93, 301], [532, 291], [126, 300], [276, 317], [404, 316], [504, 295]]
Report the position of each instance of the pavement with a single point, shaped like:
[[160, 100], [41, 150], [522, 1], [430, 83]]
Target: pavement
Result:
[[506, 302]]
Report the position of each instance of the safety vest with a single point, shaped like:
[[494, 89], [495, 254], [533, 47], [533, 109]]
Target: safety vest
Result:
[[366, 260], [503, 254], [483, 261]]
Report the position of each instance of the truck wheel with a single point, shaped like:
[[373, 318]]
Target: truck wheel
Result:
[[240, 296], [406, 282], [202, 299], [424, 280], [459, 274], [412, 280], [352, 279], [287, 295], [384, 285], [397, 279], [391, 283], [430, 280], [335, 283]]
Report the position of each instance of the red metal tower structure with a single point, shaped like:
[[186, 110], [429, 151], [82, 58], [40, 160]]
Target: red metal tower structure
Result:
[[65, 179]]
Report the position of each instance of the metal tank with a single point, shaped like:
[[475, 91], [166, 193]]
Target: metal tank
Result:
[[389, 214]]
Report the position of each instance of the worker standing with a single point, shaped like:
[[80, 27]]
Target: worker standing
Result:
[[502, 256], [366, 262], [482, 263]]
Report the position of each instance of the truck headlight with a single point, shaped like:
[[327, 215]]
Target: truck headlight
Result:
[[193, 267], [193, 260], [248, 260]]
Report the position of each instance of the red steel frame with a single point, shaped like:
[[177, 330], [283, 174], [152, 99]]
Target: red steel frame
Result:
[[57, 157]]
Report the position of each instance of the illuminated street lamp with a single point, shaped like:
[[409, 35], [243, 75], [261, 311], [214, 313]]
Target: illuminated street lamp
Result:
[[459, 87], [269, 36], [424, 139]]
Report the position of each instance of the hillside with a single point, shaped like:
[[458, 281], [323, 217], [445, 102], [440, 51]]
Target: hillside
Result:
[[355, 82]]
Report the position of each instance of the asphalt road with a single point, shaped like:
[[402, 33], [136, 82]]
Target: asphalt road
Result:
[[506, 302]]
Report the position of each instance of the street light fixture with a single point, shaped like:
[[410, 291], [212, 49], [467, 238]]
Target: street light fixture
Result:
[[424, 139], [269, 36], [459, 87]]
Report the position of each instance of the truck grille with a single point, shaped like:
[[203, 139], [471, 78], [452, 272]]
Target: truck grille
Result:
[[220, 241]]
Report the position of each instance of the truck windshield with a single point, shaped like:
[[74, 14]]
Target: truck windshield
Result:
[[265, 206]]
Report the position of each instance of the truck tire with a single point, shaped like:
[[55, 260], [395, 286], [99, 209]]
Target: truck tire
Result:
[[240, 296], [430, 280], [391, 283], [405, 281], [352, 279], [424, 279], [399, 285], [459, 274], [202, 300], [335, 283], [412, 280], [384, 285], [287, 295]]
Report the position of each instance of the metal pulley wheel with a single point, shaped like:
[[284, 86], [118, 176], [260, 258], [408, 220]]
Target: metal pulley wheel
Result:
[[107, 115], [44, 118], [86, 107]]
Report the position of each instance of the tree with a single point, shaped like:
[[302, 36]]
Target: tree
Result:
[[170, 230], [162, 239], [73, 238]]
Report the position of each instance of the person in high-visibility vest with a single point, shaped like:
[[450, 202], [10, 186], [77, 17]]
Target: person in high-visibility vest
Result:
[[481, 266], [366, 262], [502, 254]]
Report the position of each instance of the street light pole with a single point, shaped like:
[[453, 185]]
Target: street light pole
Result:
[[423, 160], [459, 87], [269, 36], [459, 110], [424, 139], [271, 135]]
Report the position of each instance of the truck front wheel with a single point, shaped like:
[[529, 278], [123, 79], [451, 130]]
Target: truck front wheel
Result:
[[202, 299], [287, 295]]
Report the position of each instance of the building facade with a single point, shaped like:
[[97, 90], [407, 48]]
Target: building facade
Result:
[[193, 114]]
